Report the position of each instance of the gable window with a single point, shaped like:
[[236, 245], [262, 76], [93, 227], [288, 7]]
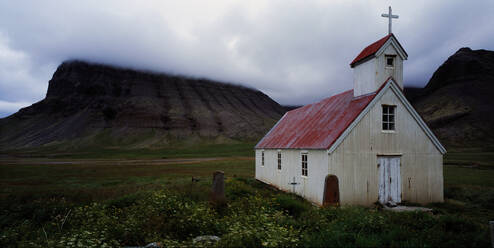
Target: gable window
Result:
[[304, 164], [279, 160], [389, 117], [390, 60], [262, 158]]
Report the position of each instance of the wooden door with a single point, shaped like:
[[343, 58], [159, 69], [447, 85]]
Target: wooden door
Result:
[[331, 191], [389, 179]]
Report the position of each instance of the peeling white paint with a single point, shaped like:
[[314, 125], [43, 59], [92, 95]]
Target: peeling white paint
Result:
[[389, 179]]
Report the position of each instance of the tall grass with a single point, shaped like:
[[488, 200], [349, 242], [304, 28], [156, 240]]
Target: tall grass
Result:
[[117, 204], [255, 216]]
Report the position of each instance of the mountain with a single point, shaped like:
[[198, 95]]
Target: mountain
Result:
[[91, 104], [458, 103]]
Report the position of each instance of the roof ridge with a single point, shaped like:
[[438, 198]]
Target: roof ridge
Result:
[[322, 100], [364, 95], [371, 49], [385, 37], [316, 125], [336, 95]]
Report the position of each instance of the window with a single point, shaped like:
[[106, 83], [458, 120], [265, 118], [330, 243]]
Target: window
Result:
[[390, 59], [304, 164], [389, 62], [279, 160], [262, 158], [389, 117]]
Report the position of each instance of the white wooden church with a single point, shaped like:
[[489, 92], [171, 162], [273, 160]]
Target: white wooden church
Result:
[[361, 146]]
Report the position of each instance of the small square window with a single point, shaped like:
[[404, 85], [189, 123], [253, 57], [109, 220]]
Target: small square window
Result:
[[390, 60], [388, 119]]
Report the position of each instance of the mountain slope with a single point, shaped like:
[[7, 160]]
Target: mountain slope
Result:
[[89, 104], [458, 101]]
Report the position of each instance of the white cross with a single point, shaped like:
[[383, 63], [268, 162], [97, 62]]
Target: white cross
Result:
[[389, 16], [293, 184]]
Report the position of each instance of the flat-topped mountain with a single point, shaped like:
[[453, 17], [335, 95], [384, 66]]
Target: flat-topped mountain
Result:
[[458, 102], [91, 104]]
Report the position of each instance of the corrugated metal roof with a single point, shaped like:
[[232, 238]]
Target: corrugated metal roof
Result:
[[371, 49], [317, 125], [374, 47]]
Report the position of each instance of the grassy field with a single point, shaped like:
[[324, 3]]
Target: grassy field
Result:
[[65, 200], [177, 151], [84, 181]]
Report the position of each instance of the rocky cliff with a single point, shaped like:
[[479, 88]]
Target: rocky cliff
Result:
[[458, 101], [89, 104]]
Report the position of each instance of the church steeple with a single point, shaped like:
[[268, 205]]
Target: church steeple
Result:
[[377, 62]]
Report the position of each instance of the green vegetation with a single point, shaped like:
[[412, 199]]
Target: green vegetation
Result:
[[199, 150], [85, 181], [473, 158], [465, 176], [113, 203]]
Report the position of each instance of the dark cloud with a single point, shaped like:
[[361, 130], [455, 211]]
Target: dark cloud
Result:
[[295, 51]]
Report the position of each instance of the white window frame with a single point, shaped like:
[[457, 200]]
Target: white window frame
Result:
[[279, 160], [306, 163], [392, 57], [262, 158], [390, 118]]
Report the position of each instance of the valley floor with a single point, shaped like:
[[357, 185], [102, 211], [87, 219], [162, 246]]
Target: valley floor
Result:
[[79, 202]]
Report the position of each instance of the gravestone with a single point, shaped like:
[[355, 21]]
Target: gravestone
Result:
[[218, 190], [331, 191]]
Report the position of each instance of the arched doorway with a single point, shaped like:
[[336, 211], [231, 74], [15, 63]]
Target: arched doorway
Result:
[[331, 191]]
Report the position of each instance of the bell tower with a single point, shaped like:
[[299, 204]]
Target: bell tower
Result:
[[378, 62]]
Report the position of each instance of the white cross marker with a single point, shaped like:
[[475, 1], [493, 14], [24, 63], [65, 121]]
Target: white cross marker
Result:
[[293, 184], [389, 16]]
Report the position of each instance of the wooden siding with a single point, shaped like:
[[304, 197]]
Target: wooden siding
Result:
[[363, 79], [372, 74], [310, 187], [383, 73], [354, 162]]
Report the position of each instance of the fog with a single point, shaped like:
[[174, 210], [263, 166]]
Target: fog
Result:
[[297, 52]]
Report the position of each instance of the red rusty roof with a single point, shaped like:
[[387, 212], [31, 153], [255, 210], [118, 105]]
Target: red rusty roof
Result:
[[374, 47], [317, 125], [371, 49]]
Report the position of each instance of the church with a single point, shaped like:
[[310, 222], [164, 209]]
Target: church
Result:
[[359, 147]]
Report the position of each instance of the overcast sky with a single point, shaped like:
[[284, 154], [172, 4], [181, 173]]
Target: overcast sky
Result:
[[297, 52]]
